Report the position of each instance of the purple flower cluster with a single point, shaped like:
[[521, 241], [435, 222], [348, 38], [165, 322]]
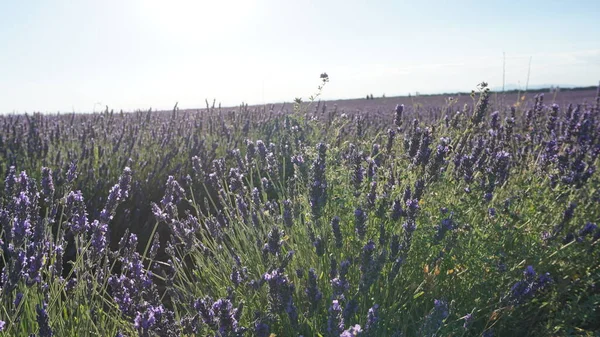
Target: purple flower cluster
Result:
[[528, 287], [281, 295], [318, 182]]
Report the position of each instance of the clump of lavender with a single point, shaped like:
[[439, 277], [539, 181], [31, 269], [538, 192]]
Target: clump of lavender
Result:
[[10, 182], [468, 321], [588, 229], [43, 320], [375, 154], [567, 216], [261, 328], [353, 331], [369, 267], [552, 119], [236, 180], [72, 172], [274, 241], [423, 153], [337, 232], [47, 185], [281, 292], [372, 168], [339, 282], [220, 316], [199, 171], [412, 207], [419, 189], [335, 320], [372, 320], [76, 213], [312, 291], [227, 318], [318, 184], [372, 195], [358, 172], [434, 321], [262, 149], [319, 245], [409, 227], [390, 140], [250, 153], [288, 213], [439, 162], [173, 192], [445, 226], [495, 120], [482, 104], [360, 219], [528, 287], [398, 116], [397, 210], [238, 275]]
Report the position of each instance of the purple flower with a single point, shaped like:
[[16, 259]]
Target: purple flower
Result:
[[335, 321], [390, 140], [262, 149], [236, 276], [445, 226], [99, 238], [398, 116], [526, 288], [412, 206], [204, 309], [18, 298], [397, 210], [288, 213], [312, 291], [318, 182], [261, 329], [350, 310], [406, 195], [72, 172], [173, 192], [340, 284], [10, 181], [43, 320], [337, 233], [435, 319], [274, 241], [358, 172], [281, 294], [47, 185], [468, 320], [529, 273], [588, 229], [372, 319], [226, 317], [21, 230], [360, 219], [319, 246], [352, 332], [369, 268]]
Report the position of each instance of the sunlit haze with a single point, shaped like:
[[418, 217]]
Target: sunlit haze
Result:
[[83, 55]]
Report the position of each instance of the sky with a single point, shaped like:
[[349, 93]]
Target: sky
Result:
[[138, 54]]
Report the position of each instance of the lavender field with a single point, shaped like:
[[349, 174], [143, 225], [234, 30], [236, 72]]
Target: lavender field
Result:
[[424, 216]]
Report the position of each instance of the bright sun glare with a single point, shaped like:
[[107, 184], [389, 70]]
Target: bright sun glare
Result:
[[182, 17]]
